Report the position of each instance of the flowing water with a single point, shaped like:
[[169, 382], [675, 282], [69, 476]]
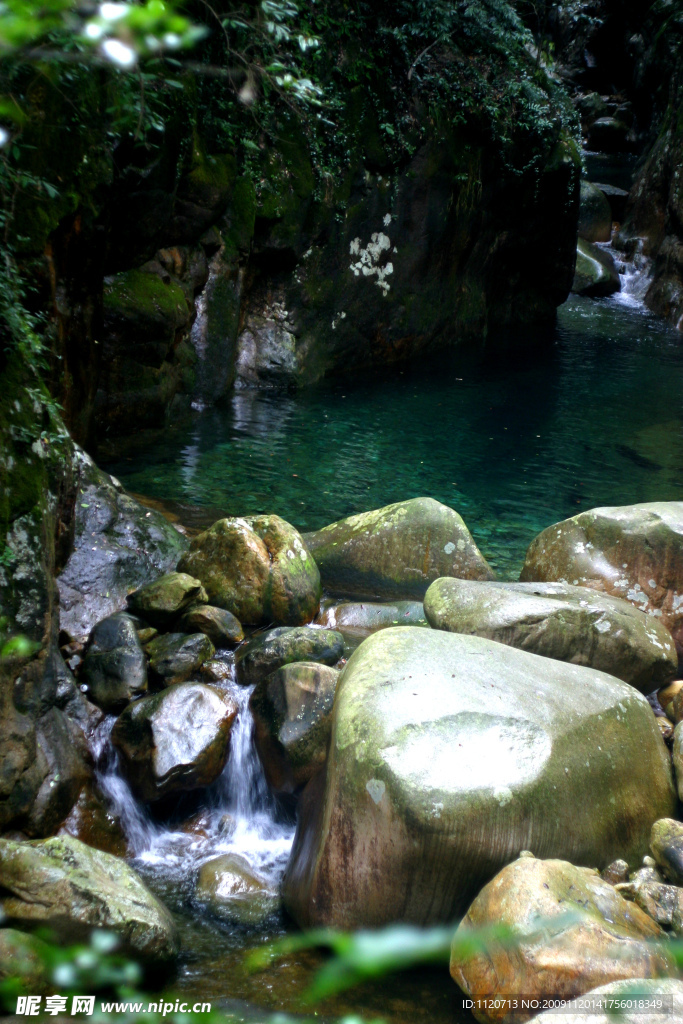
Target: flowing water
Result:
[[585, 414]]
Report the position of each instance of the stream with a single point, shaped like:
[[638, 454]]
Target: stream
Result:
[[515, 438]]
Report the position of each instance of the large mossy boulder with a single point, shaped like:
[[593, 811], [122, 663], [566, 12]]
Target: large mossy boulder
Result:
[[66, 886], [265, 653], [559, 621], [595, 214], [449, 755], [258, 568], [630, 551], [118, 545], [175, 740], [230, 889], [292, 711], [114, 669], [596, 273], [164, 599], [572, 933], [396, 551]]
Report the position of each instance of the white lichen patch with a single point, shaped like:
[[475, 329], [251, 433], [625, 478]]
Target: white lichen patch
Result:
[[449, 548], [368, 262], [603, 626], [337, 320], [375, 788]]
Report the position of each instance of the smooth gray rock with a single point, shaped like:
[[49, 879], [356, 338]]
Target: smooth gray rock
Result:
[[449, 755], [114, 667], [629, 551], [560, 621], [262, 654], [175, 740], [118, 545], [396, 551], [62, 884]]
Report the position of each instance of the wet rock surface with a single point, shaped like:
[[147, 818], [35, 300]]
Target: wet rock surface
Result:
[[630, 551], [666, 843], [437, 738], [65, 885], [161, 602], [596, 273], [175, 740], [292, 711], [118, 545], [176, 657], [114, 669], [265, 653], [258, 568], [560, 621], [228, 887], [603, 938], [221, 626], [396, 551]]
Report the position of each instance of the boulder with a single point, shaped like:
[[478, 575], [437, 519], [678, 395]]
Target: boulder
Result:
[[450, 754], [629, 551], [396, 551], [559, 621], [114, 669], [163, 600], [263, 654], [93, 821], [355, 618], [229, 888], [617, 199], [573, 932], [258, 568], [292, 711], [175, 740], [666, 843], [609, 135], [596, 273], [595, 214], [118, 545], [663, 903], [221, 626], [62, 884], [666, 697], [634, 989], [176, 657]]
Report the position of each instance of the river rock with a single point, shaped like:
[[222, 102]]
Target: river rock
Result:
[[616, 872], [603, 937], [608, 135], [62, 884], [118, 545], [596, 273], [233, 892], [649, 989], [174, 740], [176, 657], [629, 551], [258, 568], [93, 821], [616, 197], [263, 654], [666, 843], [362, 618], [396, 551], [450, 754], [559, 621], [663, 903], [163, 600], [114, 669], [666, 698], [221, 626], [595, 214], [292, 710]]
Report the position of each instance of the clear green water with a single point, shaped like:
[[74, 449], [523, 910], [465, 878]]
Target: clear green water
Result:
[[590, 413]]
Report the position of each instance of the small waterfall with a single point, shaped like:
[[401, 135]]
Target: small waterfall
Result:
[[240, 814], [635, 275]]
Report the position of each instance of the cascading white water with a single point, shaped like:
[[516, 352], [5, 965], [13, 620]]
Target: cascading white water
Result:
[[635, 275], [240, 814]]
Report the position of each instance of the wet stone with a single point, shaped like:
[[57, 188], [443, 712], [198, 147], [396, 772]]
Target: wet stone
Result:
[[666, 843], [221, 626], [176, 657], [615, 872], [265, 653], [162, 601], [231, 890], [114, 669]]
